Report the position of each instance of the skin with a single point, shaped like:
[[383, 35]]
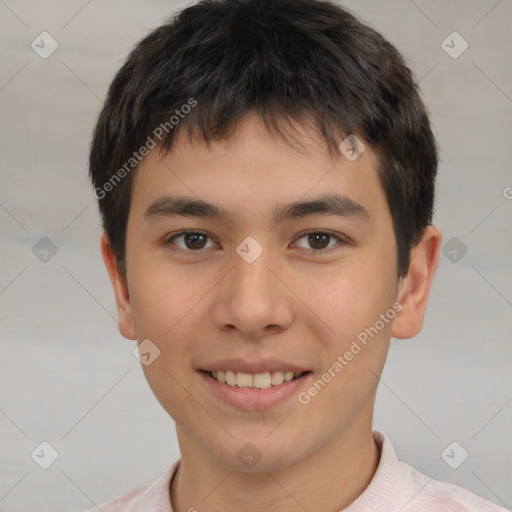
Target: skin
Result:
[[289, 304]]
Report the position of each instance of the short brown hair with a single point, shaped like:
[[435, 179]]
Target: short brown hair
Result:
[[286, 60]]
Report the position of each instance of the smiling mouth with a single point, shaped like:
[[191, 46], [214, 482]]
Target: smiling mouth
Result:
[[262, 380]]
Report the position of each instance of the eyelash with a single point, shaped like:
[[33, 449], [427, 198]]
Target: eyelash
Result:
[[341, 241]]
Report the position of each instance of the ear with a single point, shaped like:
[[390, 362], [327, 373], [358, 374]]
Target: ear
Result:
[[414, 288], [126, 324]]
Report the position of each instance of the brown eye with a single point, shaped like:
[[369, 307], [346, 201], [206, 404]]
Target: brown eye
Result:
[[194, 240], [319, 240], [191, 240]]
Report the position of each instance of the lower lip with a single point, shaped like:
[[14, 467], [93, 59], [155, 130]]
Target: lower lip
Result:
[[252, 399]]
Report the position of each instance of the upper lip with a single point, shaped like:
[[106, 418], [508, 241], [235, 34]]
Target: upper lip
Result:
[[253, 366]]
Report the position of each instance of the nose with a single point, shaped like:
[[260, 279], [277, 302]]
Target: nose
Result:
[[253, 298]]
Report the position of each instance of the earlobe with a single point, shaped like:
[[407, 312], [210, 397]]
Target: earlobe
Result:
[[126, 324], [414, 288]]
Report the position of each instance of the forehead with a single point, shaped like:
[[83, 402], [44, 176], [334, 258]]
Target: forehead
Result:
[[255, 169]]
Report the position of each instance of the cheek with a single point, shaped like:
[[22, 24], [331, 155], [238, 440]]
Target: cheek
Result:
[[161, 298], [350, 303], [162, 304], [348, 300]]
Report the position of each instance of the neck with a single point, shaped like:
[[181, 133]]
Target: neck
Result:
[[329, 479]]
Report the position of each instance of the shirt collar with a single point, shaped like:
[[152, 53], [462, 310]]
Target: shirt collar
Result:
[[378, 495]]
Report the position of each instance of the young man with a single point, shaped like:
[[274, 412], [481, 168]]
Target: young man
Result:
[[265, 174]]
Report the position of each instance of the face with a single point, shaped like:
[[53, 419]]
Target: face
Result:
[[257, 286]]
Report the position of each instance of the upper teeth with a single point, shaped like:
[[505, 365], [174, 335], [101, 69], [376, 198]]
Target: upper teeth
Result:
[[259, 380]]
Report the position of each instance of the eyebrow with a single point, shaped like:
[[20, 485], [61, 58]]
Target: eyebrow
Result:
[[329, 204]]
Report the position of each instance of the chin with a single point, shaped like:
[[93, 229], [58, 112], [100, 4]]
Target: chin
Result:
[[257, 454]]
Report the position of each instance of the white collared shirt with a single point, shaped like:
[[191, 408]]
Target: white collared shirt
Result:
[[395, 487]]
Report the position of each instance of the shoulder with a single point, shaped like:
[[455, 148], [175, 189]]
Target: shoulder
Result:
[[153, 496], [427, 494], [398, 486], [125, 503]]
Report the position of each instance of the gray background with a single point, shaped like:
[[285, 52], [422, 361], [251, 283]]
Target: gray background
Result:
[[69, 378]]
